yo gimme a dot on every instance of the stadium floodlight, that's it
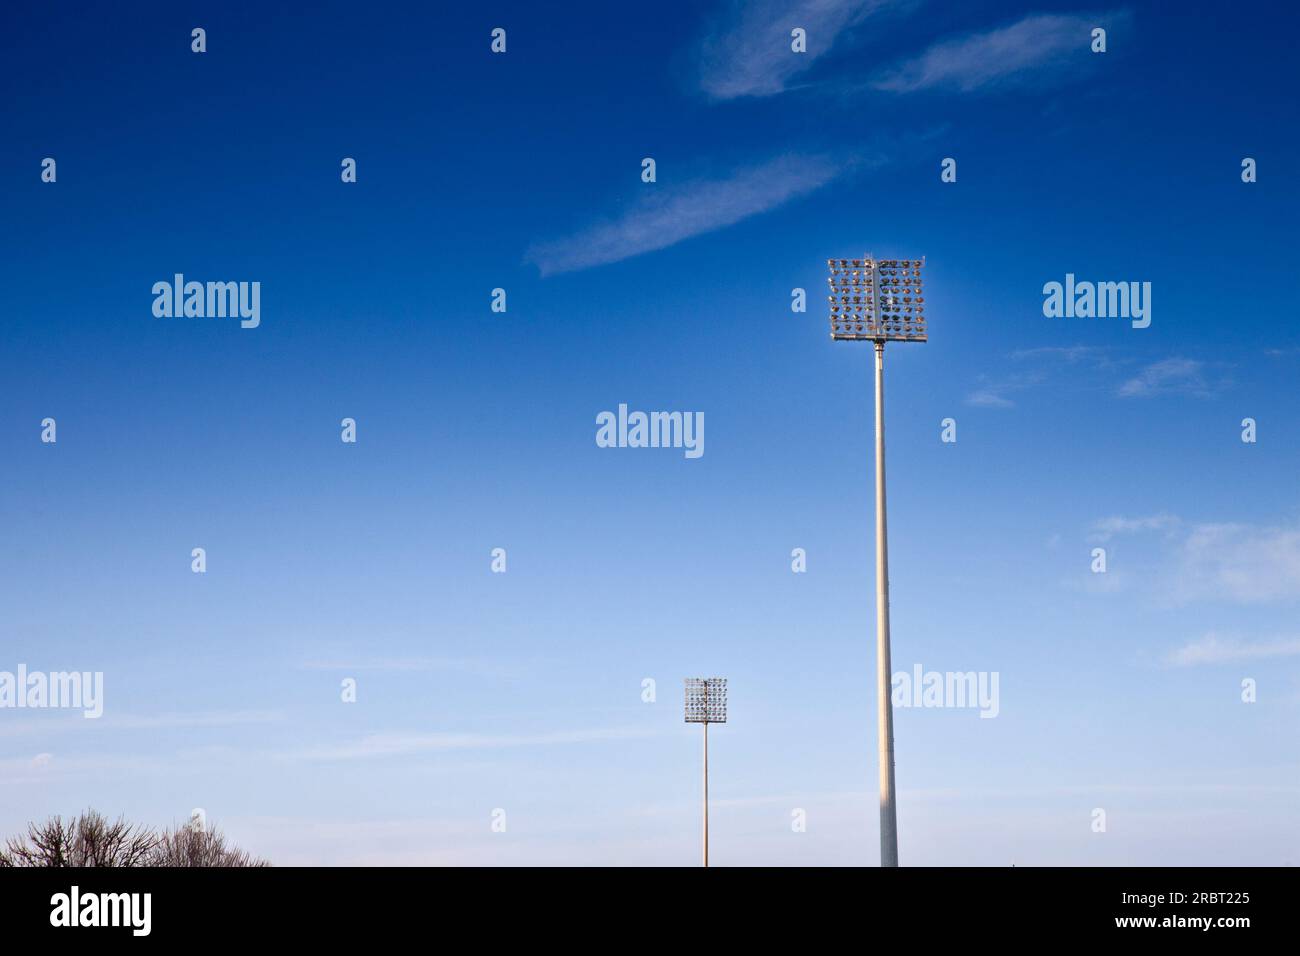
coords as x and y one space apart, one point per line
879 301
706 703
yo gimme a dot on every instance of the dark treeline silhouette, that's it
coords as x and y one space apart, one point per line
92 840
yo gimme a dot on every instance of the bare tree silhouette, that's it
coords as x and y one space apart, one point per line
91 840
188 845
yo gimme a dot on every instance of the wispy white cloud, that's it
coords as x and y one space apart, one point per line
350 665
1066 353
1107 528
1035 366
394 745
1238 563
669 214
1213 649
1243 563
748 53
1038 44
62 721
42 767
996 392
226 718
1109 372
990 397
1171 375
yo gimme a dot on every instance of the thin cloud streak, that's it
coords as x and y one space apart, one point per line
72 720
1236 563
751 55
993 393
1213 649
395 745
351 665
1176 375
1000 57
1107 528
990 397
1172 375
1042 363
672 214
1067 353
1241 563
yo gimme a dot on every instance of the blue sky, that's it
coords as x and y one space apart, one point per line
523 691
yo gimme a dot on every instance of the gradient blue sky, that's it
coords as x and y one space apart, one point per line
476 430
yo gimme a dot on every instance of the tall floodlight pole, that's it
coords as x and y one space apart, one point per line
706 703
879 301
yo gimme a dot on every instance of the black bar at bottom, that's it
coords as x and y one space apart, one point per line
463 907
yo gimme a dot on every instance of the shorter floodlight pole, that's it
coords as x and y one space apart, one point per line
706 703
706 793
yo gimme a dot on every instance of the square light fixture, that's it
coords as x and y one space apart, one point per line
706 700
877 300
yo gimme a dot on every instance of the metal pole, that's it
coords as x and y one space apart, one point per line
706 794
884 705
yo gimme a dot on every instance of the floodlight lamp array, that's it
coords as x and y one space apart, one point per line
706 700
877 300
